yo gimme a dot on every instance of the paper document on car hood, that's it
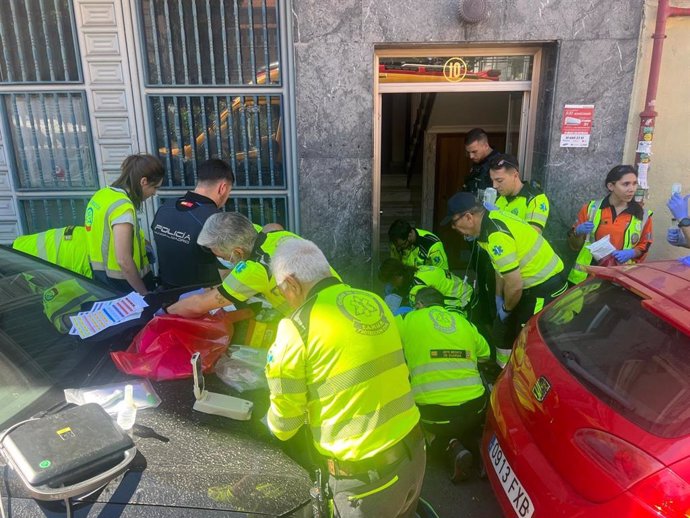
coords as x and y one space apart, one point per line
106 314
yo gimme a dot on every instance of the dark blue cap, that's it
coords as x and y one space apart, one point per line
457 204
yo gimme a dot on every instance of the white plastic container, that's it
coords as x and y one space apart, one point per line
490 195
127 414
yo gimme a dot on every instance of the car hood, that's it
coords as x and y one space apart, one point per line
209 463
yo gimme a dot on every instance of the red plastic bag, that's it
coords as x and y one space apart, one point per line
162 350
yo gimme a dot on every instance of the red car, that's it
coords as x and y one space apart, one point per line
591 418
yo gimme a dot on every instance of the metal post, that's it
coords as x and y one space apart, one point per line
645 135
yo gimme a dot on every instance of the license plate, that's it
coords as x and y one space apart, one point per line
515 491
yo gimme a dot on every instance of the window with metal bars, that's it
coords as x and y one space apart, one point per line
232 47
243 130
39 214
51 141
199 42
37 43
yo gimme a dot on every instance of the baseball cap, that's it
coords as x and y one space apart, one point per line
457 204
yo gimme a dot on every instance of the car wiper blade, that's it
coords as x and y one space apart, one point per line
572 362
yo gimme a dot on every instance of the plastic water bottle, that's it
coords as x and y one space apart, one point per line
128 410
490 195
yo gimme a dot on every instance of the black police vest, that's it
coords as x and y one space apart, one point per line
181 261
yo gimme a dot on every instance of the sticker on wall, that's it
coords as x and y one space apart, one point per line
644 146
642 173
576 125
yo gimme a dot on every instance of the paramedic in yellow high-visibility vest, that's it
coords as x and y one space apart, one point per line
247 252
416 247
337 368
530 272
515 196
64 247
117 248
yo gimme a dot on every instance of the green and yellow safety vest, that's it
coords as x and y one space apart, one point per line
66 247
455 291
104 207
584 258
511 244
62 300
442 349
337 366
530 205
253 276
427 250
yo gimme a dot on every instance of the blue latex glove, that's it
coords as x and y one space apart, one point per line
685 260
499 303
678 205
490 206
193 292
623 256
503 314
584 228
675 237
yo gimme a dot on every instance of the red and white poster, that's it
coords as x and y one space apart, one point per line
576 126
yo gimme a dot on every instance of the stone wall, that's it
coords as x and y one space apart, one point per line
591 56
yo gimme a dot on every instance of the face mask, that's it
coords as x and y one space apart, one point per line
226 264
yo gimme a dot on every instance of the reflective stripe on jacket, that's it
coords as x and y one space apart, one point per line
455 291
337 366
442 348
104 207
584 258
66 247
511 244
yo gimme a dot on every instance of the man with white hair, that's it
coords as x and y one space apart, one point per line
232 237
337 367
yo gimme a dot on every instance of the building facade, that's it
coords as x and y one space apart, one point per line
337 116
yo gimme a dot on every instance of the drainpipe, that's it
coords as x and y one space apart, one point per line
648 115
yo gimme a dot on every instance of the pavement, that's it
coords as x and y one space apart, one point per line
473 498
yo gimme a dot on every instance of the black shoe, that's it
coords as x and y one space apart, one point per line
461 459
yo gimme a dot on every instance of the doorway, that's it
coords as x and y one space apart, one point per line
422 154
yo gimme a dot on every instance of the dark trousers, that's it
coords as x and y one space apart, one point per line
482 314
463 422
531 302
120 285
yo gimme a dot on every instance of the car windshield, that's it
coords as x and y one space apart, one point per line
37 355
624 354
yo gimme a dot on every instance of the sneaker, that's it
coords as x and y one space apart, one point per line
461 461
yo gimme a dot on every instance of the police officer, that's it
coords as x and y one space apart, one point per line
415 247
337 367
442 350
408 280
529 269
176 226
66 247
232 237
480 154
515 196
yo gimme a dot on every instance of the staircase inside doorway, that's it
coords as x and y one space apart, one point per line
398 201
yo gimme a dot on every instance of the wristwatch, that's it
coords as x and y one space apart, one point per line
685 222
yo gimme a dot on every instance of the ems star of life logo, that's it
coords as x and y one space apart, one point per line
365 311
442 320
